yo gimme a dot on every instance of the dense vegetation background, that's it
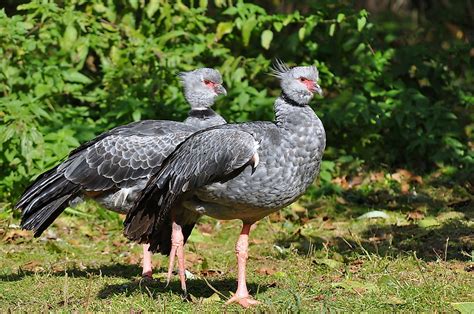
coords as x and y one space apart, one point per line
398 81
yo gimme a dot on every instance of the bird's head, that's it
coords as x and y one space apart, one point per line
201 87
299 83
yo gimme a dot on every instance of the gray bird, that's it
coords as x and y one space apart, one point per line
235 171
115 166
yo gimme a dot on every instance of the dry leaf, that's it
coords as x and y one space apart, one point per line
211 272
13 235
341 181
206 228
355 181
266 271
415 215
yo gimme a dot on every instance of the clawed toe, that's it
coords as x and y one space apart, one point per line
246 301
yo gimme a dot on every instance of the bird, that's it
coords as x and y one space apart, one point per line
235 171
113 167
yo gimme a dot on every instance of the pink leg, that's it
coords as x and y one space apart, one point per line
242 296
147 271
177 249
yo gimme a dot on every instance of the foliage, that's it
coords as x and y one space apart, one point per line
73 69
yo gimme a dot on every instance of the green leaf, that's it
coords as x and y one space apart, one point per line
247 28
361 21
136 115
152 7
76 77
340 17
133 3
278 26
301 33
223 28
219 3
69 37
464 307
203 4
266 39
328 262
332 29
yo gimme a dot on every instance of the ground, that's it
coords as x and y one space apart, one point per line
412 252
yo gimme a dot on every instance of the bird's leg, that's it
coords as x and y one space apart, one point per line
147 271
177 249
242 296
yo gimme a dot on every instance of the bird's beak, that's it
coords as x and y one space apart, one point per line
318 89
220 90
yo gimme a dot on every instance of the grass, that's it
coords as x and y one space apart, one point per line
314 256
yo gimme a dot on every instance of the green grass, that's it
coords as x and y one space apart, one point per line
315 256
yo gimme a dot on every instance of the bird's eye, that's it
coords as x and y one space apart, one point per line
209 83
303 79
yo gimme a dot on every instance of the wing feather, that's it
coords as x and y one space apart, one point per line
209 156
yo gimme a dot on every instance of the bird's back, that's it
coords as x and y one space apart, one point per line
290 157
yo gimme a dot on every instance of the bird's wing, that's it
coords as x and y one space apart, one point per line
124 155
212 155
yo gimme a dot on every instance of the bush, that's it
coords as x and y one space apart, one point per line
73 70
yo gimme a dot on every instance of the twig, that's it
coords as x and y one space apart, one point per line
359 243
345 241
446 249
419 268
214 289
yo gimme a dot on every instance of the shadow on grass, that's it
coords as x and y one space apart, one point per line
115 270
444 240
195 287
453 240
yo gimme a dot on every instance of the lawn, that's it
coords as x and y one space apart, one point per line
318 255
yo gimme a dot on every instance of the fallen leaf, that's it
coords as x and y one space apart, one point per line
341 181
404 187
33 266
319 297
469 268
328 262
415 215
206 228
211 272
464 307
276 217
394 300
298 209
355 181
358 286
341 200
266 271
377 176
16 234
213 298
374 214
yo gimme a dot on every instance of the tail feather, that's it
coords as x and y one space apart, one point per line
45 200
40 220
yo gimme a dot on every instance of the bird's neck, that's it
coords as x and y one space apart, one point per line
201 113
290 114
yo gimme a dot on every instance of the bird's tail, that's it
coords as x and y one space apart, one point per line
45 200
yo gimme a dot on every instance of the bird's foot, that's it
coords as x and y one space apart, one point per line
147 275
244 300
177 250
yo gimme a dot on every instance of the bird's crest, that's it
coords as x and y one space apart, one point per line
279 68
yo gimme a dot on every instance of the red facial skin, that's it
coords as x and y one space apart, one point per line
310 85
214 86
210 84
